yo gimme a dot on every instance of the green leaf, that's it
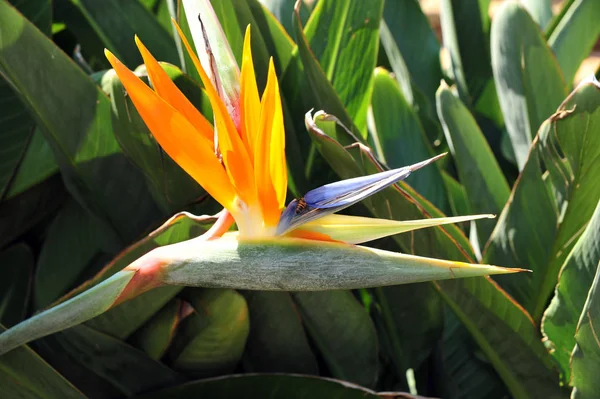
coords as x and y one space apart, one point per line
16 269
421 56
75 118
586 355
486 187
540 11
409 323
16 125
528 79
268 386
506 335
116 363
342 33
473 299
575 35
121 321
211 340
37 165
156 335
26 210
117 33
277 341
23 374
467 373
465 29
560 319
540 234
324 94
400 139
343 332
76 241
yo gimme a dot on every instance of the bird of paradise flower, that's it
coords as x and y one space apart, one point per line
241 163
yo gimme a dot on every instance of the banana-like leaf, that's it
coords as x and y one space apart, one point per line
277 341
75 118
16 269
156 335
465 29
399 138
211 340
272 385
474 300
575 35
560 319
336 321
77 243
540 11
342 33
586 356
540 234
528 79
82 353
422 56
286 264
479 172
24 374
409 319
17 127
117 33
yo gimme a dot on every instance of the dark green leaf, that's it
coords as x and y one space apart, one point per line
155 336
16 269
343 333
400 139
76 241
116 22
342 33
478 171
575 35
270 386
81 350
528 79
75 118
506 336
547 214
22 212
422 56
25 375
277 341
576 276
465 29
211 340
586 355
411 324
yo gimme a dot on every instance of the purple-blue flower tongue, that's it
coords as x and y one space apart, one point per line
334 197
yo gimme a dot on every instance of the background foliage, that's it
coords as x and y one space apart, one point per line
83 183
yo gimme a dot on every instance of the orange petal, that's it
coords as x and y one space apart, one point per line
235 156
165 88
269 156
250 110
178 137
310 235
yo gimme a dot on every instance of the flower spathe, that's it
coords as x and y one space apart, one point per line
251 181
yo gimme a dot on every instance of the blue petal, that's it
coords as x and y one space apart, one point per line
334 197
